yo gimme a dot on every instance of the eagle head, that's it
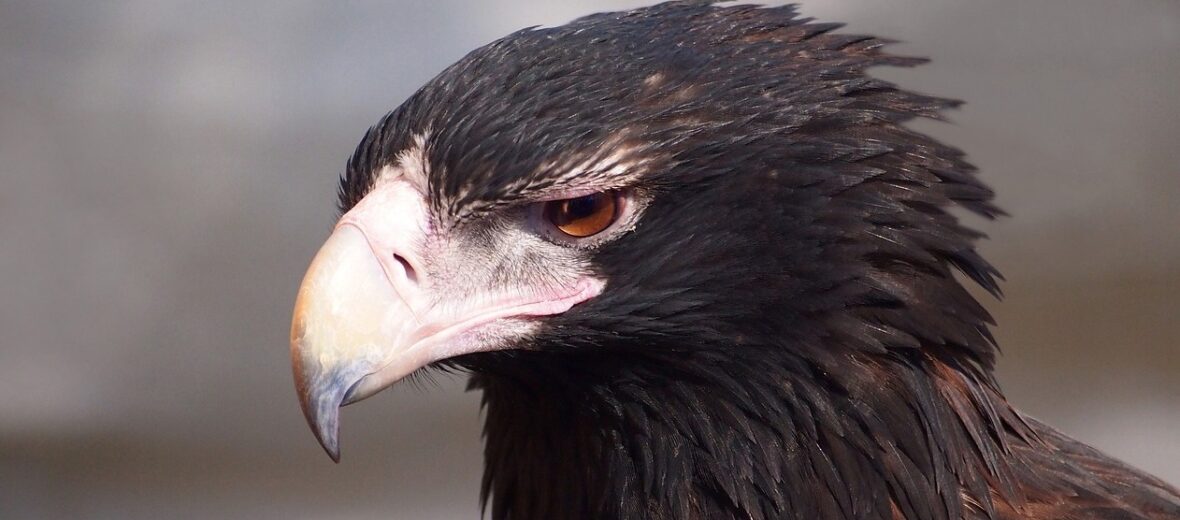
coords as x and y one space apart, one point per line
679 195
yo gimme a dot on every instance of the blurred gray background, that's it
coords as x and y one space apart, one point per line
169 168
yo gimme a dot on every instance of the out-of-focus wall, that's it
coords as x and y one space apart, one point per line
168 169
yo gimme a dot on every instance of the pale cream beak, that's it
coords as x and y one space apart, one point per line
355 326
347 316
368 314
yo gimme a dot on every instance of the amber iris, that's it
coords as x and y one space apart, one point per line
583 216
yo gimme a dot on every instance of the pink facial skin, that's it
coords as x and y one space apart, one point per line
368 313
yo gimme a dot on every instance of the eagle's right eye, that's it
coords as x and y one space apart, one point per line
584 216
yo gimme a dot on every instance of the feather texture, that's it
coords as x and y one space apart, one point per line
782 335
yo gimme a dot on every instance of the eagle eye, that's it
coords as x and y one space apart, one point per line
584 216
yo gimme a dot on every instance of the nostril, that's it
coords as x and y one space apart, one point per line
411 274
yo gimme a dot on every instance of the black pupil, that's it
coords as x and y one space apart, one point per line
582 207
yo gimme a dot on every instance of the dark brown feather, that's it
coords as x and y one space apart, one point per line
783 334
1065 479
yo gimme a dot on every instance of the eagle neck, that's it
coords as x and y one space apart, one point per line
726 438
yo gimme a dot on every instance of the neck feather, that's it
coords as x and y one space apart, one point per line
889 435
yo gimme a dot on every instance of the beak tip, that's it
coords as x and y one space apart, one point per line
333 452
323 416
327 432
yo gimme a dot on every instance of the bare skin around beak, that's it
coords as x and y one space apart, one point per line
368 313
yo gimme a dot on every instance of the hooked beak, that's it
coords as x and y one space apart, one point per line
368 314
346 314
